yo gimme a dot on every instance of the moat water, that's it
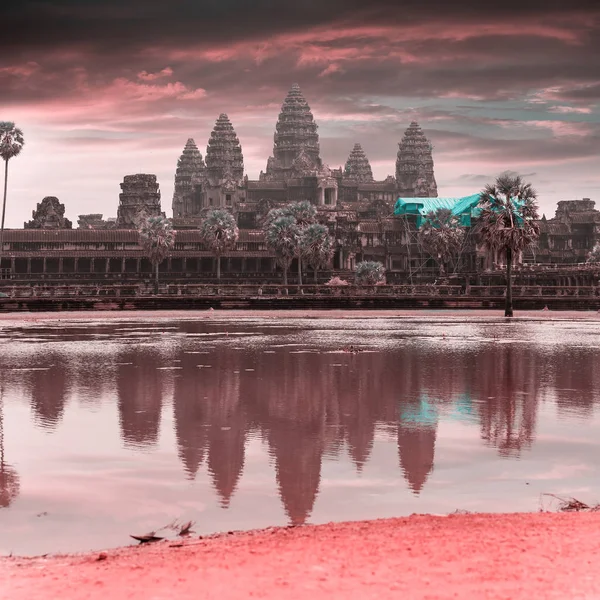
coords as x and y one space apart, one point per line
121 426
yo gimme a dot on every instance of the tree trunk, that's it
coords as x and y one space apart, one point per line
299 271
285 270
219 267
156 279
316 276
3 210
508 310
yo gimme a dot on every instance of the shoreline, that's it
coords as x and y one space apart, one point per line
525 315
519 555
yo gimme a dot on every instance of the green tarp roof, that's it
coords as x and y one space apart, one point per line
463 208
422 206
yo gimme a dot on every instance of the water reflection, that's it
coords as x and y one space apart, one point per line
296 392
9 478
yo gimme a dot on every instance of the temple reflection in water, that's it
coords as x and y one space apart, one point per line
305 405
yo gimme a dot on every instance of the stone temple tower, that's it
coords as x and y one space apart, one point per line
414 165
139 195
224 178
358 167
188 177
296 149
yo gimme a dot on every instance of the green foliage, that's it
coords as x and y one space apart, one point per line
157 237
508 214
594 254
219 231
11 140
369 273
284 228
507 222
303 212
316 246
441 236
11 144
282 235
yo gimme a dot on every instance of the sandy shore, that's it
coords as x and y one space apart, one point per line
463 556
545 315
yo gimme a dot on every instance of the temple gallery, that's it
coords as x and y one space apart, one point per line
368 219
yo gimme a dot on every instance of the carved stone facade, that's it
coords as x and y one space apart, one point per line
357 166
224 180
296 151
95 221
49 214
570 235
414 165
187 197
140 196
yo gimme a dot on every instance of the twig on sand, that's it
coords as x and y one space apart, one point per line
186 528
147 538
571 504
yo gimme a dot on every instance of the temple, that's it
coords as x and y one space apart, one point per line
50 214
140 196
369 219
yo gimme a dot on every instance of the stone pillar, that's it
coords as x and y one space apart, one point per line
138 267
29 266
122 265
184 264
335 196
12 265
107 265
321 196
244 264
44 267
60 265
76 266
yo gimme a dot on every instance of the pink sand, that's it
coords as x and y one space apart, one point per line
467 556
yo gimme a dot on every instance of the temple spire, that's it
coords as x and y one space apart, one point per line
357 166
224 159
414 165
190 170
296 147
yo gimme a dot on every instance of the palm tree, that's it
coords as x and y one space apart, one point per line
219 232
441 236
507 222
316 246
305 214
369 272
594 254
283 237
11 144
158 238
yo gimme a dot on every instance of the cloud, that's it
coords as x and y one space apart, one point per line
496 86
166 72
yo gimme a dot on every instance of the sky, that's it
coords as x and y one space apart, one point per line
106 88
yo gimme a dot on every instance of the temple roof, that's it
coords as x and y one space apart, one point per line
296 136
357 166
224 157
190 162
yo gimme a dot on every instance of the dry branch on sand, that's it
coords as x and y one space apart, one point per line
568 504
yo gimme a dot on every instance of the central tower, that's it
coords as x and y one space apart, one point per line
296 149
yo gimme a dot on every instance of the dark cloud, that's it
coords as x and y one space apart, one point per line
116 26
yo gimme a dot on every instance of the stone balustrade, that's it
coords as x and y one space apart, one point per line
273 290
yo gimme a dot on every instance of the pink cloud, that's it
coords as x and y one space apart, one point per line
330 70
25 71
562 128
145 76
311 45
570 110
